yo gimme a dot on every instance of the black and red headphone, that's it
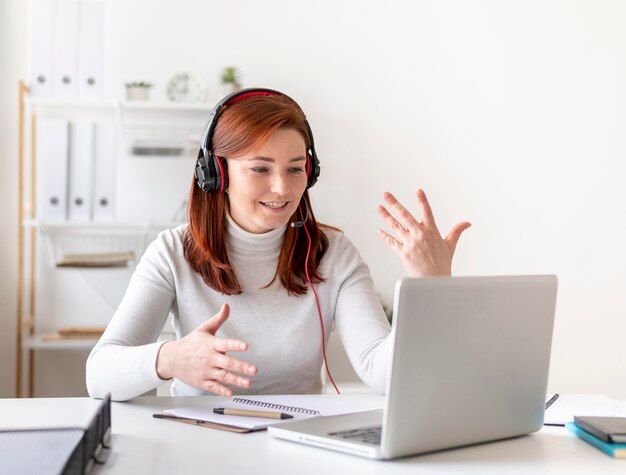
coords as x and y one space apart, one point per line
211 171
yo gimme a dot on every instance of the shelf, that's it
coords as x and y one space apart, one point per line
80 250
167 106
37 342
118 226
109 104
56 103
95 245
151 129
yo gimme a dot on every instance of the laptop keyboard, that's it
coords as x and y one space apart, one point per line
369 435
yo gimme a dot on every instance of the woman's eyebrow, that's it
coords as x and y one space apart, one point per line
271 160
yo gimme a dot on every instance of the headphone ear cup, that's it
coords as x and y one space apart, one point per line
211 174
202 172
221 169
312 169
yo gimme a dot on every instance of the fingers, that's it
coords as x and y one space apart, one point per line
220 375
407 220
427 212
216 388
232 364
390 241
224 345
453 237
215 322
226 377
393 223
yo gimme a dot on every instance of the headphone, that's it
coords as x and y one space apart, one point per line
211 171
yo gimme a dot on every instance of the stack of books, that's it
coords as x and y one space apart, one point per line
605 433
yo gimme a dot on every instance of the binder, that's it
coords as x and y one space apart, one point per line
80 171
65 83
104 171
71 437
41 22
52 157
608 429
91 50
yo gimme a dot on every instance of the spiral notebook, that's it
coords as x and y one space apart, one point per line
301 406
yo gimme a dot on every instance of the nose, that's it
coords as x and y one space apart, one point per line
280 184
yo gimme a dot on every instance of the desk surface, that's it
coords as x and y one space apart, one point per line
143 444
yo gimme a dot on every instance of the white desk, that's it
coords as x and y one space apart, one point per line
145 445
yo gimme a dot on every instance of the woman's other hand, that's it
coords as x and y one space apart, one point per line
419 245
200 359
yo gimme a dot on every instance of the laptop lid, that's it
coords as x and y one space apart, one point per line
470 364
470 361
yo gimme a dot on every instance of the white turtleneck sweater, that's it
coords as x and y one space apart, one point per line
282 331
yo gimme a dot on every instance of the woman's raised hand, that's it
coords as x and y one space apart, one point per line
419 245
199 358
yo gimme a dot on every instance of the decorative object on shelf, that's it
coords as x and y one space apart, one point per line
230 80
76 333
102 259
138 91
157 148
186 88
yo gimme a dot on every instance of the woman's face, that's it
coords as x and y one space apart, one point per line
265 186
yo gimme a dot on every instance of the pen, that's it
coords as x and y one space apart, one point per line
252 413
551 401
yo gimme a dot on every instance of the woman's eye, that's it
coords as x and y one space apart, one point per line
259 170
296 170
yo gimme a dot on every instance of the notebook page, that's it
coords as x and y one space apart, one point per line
300 406
569 405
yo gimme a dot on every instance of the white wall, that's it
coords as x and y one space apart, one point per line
508 114
12 67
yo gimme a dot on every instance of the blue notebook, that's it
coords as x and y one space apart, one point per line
615 450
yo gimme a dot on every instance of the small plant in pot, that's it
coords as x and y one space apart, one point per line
230 80
138 91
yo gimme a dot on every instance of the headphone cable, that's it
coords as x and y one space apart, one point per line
317 301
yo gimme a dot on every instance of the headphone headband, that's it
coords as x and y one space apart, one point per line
211 171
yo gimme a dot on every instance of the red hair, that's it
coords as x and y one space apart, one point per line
241 128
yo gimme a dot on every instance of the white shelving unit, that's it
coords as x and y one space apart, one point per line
122 243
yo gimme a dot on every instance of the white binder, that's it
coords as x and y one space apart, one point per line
52 157
91 50
41 24
105 152
80 171
65 82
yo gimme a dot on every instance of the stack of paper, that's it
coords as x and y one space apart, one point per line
300 406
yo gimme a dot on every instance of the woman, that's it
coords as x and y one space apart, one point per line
237 278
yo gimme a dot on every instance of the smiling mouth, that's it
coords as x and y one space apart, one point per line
274 204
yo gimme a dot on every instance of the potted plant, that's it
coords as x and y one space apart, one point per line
138 91
230 80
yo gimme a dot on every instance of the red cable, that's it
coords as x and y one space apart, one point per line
317 301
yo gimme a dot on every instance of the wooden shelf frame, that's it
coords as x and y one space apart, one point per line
30 228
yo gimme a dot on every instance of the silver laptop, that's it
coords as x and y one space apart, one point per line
470 365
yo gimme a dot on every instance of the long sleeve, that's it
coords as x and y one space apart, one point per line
360 319
124 360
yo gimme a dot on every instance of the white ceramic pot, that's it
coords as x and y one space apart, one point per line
134 93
